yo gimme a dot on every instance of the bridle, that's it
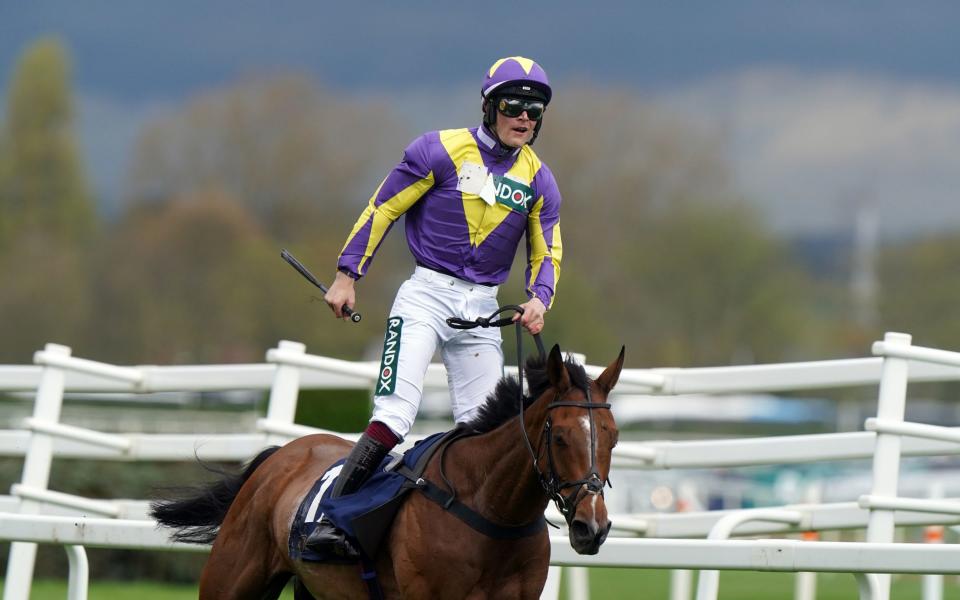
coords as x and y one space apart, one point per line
567 504
551 482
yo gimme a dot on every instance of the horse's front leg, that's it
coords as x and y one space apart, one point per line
533 577
517 569
431 557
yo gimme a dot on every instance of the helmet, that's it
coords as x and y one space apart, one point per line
522 75
516 76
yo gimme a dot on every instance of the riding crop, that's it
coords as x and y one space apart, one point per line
296 264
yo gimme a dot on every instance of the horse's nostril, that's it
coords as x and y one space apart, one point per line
580 530
586 539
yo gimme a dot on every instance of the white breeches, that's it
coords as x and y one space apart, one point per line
473 358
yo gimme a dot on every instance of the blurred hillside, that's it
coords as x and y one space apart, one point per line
663 250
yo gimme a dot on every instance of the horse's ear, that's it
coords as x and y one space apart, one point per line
611 374
557 371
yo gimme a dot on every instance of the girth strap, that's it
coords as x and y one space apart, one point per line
368 574
449 502
475 520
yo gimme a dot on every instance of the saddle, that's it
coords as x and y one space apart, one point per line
364 516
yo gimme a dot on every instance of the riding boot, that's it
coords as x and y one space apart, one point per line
360 464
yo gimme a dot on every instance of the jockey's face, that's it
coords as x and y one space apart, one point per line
515 131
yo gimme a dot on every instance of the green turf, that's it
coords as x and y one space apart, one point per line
746 585
57 590
605 584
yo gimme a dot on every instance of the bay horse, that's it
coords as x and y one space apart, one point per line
502 471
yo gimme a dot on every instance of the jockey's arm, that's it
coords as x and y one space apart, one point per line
400 190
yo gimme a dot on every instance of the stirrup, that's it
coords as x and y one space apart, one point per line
328 540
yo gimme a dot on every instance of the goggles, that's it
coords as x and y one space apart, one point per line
514 107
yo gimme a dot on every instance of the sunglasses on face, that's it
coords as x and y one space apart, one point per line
514 107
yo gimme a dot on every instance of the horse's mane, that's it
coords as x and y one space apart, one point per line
501 405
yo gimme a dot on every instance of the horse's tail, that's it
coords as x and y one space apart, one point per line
199 511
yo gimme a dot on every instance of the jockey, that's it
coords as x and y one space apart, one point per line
469 195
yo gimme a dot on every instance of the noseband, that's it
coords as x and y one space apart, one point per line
552 484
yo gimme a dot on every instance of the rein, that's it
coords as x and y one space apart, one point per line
550 482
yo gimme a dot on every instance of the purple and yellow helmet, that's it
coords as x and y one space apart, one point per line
518 76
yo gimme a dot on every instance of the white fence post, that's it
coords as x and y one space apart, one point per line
36 473
886 457
283 393
681 580
708 584
933 534
805 582
578 583
868 586
79 581
681 584
551 588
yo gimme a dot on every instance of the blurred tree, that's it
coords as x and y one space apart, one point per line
920 290
47 219
302 163
45 297
713 288
295 155
658 253
44 190
197 279
180 283
6 227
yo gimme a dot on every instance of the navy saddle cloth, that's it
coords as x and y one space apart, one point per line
364 516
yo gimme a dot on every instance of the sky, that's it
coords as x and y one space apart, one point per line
827 108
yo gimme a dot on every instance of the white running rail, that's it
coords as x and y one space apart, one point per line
34 514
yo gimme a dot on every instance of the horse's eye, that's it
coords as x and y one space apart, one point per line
559 441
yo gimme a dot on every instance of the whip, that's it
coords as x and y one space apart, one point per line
296 264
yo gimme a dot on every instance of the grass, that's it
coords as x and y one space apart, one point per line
114 590
121 590
748 585
606 584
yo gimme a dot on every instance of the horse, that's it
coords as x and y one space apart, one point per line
504 472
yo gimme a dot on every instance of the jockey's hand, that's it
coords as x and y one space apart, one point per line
340 293
532 317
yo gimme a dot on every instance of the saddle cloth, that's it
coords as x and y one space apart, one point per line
365 515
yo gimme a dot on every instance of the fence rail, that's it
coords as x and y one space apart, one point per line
289 369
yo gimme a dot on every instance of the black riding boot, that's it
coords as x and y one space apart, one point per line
360 464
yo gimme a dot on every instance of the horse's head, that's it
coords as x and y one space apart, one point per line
575 448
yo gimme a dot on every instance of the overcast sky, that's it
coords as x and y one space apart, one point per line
826 105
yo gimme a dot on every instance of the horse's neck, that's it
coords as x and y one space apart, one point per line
493 472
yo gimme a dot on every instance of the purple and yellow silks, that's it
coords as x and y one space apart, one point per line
450 228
